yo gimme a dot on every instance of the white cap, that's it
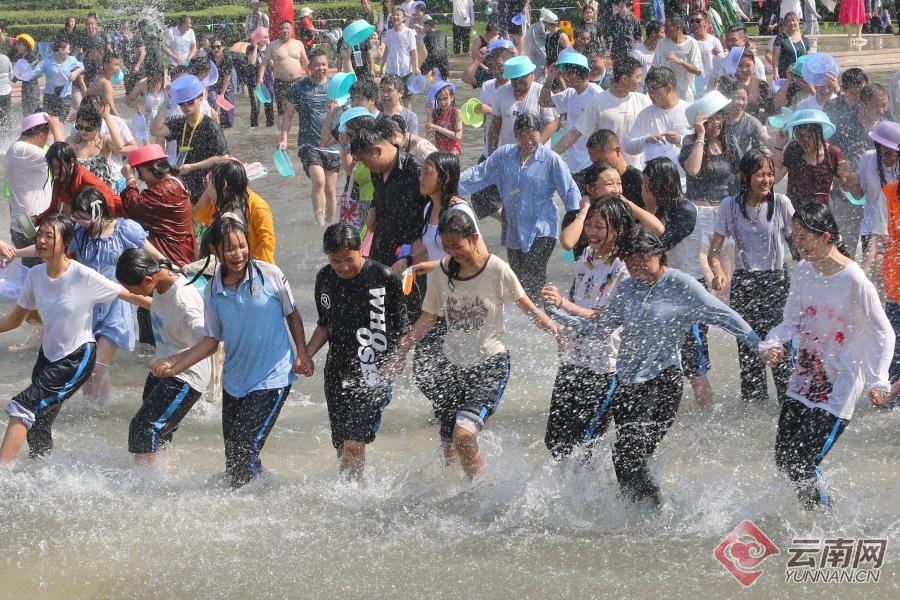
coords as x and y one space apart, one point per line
548 16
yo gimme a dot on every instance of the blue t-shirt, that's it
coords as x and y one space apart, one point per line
311 101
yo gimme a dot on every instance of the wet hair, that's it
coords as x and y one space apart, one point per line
614 212
89 200
109 57
730 87
526 122
315 52
392 123
64 227
880 149
229 180
624 67
59 44
199 65
730 153
447 167
96 101
64 154
595 49
136 263
370 135
789 14
664 182
817 219
677 20
365 88
854 77
638 240
872 91
88 114
593 172
658 77
339 237
159 168
215 235
818 136
455 222
652 27
603 138
754 160
394 82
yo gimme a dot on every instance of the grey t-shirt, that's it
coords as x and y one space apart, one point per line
759 241
715 181
745 134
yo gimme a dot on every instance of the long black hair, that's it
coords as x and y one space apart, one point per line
159 168
229 179
63 154
447 167
456 222
816 218
615 213
136 263
664 182
754 160
879 154
90 200
64 227
215 235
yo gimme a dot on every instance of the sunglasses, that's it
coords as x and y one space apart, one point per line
696 20
188 102
86 127
218 46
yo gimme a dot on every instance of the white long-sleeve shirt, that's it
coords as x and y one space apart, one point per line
844 341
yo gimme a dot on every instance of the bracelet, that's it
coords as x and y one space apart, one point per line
701 142
779 149
578 215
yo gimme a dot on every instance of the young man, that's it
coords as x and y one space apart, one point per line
182 44
391 90
710 48
644 51
287 57
681 54
520 96
361 317
320 163
435 42
623 30
400 56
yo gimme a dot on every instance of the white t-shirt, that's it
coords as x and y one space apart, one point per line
875 217
178 324
689 52
759 68
707 59
432 241
488 95
844 340
398 46
463 13
508 108
812 102
180 43
29 186
5 72
654 120
66 305
644 56
574 105
618 115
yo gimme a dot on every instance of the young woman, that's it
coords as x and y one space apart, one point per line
579 406
361 317
226 191
468 291
69 178
149 94
93 149
178 324
24 49
655 308
64 293
742 123
809 162
844 343
758 99
790 44
247 305
759 222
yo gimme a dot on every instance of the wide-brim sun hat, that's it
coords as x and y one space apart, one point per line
886 133
733 60
798 66
711 103
339 85
212 78
470 116
576 59
519 19
436 89
817 67
33 120
350 114
22 70
500 43
811 116
416 84
24 37
186 88
357 32
145 154
518 66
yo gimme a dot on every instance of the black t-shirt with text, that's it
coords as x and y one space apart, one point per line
206 141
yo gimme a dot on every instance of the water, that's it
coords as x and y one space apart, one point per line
87 523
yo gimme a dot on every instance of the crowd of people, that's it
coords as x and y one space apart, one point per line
662 145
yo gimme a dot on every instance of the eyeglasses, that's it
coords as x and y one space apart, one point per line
696 20
188 102
217 46
86 127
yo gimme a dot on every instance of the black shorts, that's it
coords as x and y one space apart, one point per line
281 90
309 156
52 383
166 402
354 410
473 393
440 62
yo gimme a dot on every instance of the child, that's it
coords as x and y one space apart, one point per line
361 317
247 304
64 293
469 291
445 119
177 317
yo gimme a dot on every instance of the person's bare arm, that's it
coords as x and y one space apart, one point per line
567 141
494 133
548 130
317 341
158 127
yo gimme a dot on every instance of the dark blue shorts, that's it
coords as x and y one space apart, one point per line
355 410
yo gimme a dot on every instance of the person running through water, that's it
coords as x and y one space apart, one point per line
178 324
361 317
64 293
469 290
247 304
844 343
654 309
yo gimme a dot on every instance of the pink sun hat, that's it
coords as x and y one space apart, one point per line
33 121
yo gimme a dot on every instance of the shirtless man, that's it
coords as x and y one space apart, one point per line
287 58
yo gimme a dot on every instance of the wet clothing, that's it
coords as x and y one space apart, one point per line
260 224
790 51
81 178
810 183
164 210
165 403
196 144
447 120
246 423
398 209
579 408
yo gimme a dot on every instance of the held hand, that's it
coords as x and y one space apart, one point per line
7 252
673 137
303 365
393 366
551 295
399 266
718 281
843 171
162 367
880 398
424 268
773 356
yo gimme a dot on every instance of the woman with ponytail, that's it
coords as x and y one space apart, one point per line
759 222
178 324
844 343
469 290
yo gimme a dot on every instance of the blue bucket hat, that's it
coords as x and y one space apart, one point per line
350 114
570 57
518 66
437 87
811 116
185 89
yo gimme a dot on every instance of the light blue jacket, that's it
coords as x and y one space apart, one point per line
527 191
49 68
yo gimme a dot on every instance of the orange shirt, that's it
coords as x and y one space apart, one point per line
892 253
260 226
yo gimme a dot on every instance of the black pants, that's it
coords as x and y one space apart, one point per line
461 38
56 105
440 62
5 108
643 413
254 111
145 327
805 435
531 267
165 403
246 423
579 408
429 365
759 297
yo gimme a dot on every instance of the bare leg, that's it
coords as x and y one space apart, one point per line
449 453
703 394
13 440
317 177
352 459
466 444
98 388
330 196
